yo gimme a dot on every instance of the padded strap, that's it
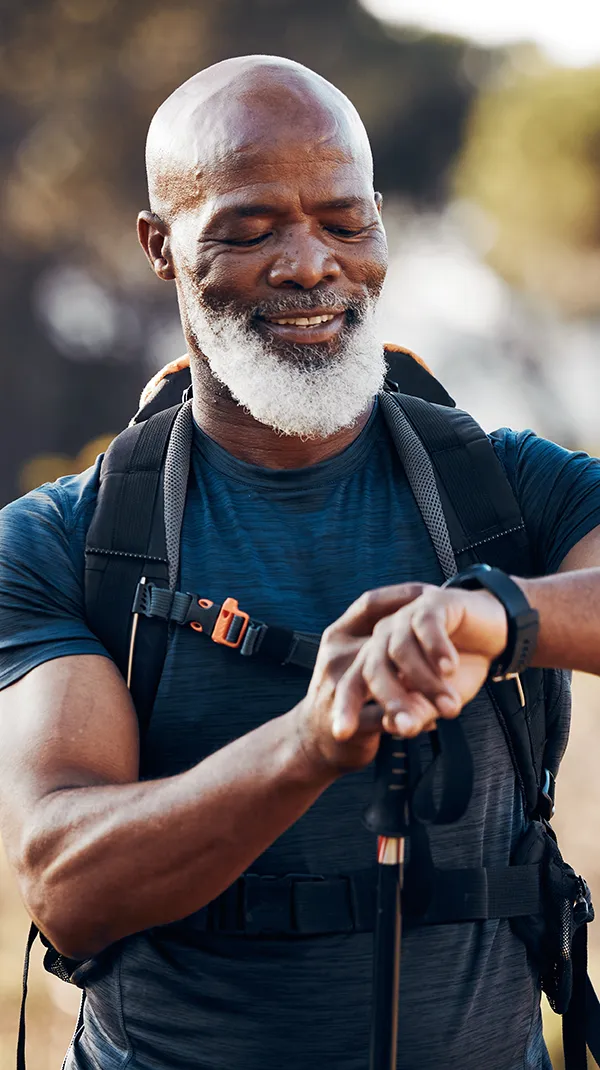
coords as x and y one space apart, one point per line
125 541
483 516
421 476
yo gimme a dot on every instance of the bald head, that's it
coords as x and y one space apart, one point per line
236 111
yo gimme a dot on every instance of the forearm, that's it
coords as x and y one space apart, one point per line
569 607
103 862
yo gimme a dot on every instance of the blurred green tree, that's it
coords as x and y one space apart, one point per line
532 162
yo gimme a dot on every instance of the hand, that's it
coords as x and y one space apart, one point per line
426 660
342 731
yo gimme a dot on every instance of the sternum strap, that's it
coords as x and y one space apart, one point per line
227 625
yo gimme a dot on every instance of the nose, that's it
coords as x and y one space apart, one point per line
303 264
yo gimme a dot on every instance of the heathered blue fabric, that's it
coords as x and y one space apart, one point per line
296 547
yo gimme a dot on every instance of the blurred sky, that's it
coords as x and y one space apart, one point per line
568 32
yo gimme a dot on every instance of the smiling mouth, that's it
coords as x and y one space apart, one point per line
304 325
304 321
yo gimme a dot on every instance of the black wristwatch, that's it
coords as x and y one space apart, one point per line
523 621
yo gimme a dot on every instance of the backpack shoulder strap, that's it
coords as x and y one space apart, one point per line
126 541
472 515
483 516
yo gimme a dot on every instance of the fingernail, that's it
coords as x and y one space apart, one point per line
403 722
446 666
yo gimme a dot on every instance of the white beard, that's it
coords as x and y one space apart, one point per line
309 396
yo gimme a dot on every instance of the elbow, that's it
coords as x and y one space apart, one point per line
60 919
59 905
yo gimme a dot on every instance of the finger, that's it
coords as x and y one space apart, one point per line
351 694
430 627
384 687
362 616
406 655
418 715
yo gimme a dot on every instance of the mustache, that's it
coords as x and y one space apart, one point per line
306 301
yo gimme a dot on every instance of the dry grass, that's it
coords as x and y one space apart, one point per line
53 1005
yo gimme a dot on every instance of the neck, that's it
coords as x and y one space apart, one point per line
220 417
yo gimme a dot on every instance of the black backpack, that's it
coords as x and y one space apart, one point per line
131 572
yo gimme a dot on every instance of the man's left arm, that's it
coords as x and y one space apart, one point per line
569 607
559 494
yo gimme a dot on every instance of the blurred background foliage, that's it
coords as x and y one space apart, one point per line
531 160
489 160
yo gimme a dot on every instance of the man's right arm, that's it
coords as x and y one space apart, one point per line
98 854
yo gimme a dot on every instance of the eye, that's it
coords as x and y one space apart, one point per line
343 232
246 243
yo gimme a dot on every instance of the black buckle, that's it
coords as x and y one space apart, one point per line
141 600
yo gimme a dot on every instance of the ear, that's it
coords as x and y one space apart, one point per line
378 201
154 240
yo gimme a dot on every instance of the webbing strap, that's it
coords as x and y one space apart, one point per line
592 1020
278 644
453 763
581 1021
33 931
295 904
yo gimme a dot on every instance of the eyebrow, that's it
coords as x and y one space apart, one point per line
250 211
344 202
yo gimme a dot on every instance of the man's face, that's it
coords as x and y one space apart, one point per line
279 267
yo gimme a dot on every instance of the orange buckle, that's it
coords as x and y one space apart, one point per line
229 610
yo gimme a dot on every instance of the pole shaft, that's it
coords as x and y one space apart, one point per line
386 965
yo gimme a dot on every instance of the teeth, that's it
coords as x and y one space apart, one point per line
306 321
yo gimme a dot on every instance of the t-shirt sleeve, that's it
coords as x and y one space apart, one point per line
558 491
42 540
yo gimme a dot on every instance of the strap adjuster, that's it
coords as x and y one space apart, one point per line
230 626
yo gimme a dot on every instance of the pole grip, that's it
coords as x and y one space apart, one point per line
387 813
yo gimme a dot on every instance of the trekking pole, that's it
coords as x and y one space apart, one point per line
387 816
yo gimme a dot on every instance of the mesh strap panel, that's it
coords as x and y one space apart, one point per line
177 468
420 474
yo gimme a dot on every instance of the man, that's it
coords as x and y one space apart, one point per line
264 215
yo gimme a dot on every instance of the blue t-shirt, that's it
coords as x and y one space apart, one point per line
296 547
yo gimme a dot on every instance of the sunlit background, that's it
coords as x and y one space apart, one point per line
485 123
